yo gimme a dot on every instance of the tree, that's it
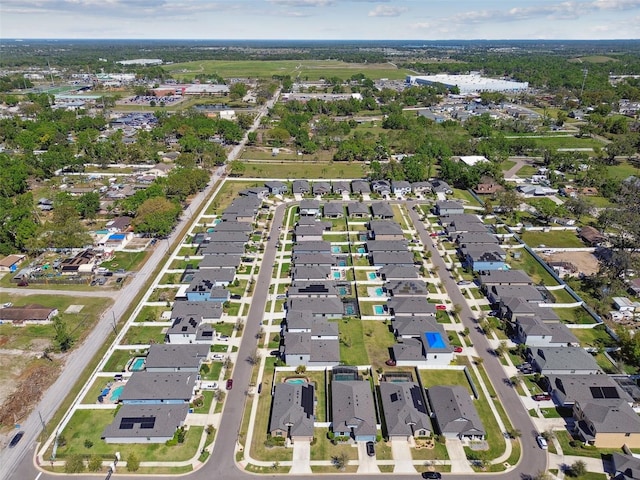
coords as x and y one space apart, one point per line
340 461
578 206
88 205
62 338
95 463
508 201
237 168
238 90
577 468
501 348
74 464
133 463
156 216
65 229
254 357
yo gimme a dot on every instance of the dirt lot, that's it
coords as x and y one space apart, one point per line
586 262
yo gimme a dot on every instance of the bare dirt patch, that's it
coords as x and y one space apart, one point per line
586 262
74 309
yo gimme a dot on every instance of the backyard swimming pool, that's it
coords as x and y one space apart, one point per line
336 249
434 340
137 364
337 275
372 276
378 309
349 310
362 250
115 395
379 292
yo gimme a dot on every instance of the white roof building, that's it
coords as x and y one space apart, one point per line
472 160
472 83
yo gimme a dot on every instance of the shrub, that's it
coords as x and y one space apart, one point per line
88 443
133 462
74 464
95 463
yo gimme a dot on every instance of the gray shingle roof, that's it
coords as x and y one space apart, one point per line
292 409
352 407
404 407
163 420
166 355
410 306
454 411
550 359
159 386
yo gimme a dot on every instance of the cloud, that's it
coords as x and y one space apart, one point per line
302 3
569 10
387 11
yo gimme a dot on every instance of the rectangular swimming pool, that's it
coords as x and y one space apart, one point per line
435 340
378 309
372 276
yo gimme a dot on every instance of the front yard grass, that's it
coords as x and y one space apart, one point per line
151 314
125 260
324 449
431 378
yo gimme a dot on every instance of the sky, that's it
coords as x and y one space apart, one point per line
321 19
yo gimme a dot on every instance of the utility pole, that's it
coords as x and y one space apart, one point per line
584 79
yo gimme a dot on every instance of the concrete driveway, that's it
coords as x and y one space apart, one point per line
366 464
459 462
401 452
301 457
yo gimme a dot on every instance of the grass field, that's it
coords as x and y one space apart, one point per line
304 170
306 69
378 341
227 194
530 265
352 349
143 335
567 142
553 239
622 170
125 260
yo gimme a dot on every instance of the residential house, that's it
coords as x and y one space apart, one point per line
314 259
481 259
303 321
413 327
448 207
258 192
400 187
387 246
398 272
307 349
606 423
10 263
440 186
119 224
358 210
462 219
207 312
160 169
421 188
307 233
205 281
497 294
592 236
190 330
562 360
532 331
83 263
312 247
300 187
292 411
405 410
504 277
309 208
321 188
625 466
159 388
227 237
333 210
381 187
360 186
487 188
145 423
470 239
166 357
311 272
381 210
221 248
454 413
566 390
219 261
341 186
353 411
385 230
411 306
277 188
321 307
465 226
380 259
305 289
32 313
430 348
232 226
511 308
404 288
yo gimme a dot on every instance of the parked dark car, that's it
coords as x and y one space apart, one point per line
230 384
391 362
541 397
434 475
371 449
16 438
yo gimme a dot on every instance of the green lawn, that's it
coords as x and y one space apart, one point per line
583 450
228 192
143 335
622 171
301 169
211 371
567 142
553 239
593 337
352 348
324 449
118 360
126 260
466 196
576 315
530 265
378 340
151 314
89 424
431 378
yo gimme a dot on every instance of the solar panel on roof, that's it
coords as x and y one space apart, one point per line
604 392
127 423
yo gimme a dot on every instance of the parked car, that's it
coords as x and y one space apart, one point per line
230 384
23 283
434 234
391 362
541 397
464 282
441 307
16 438
218 356
457 349
542 442
371 449
431 475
